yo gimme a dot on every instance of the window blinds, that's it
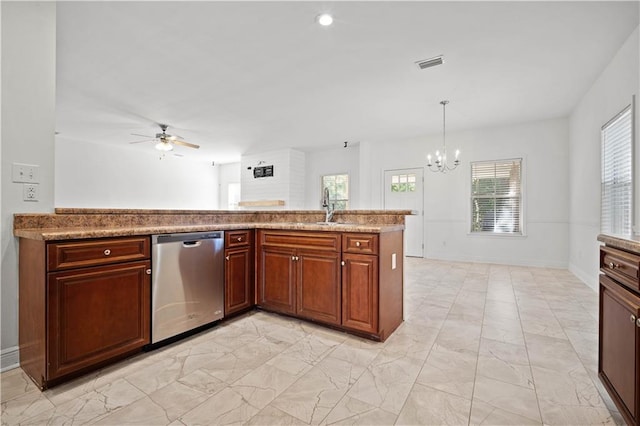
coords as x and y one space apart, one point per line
617 175
496 196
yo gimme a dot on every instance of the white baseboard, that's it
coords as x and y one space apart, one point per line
9 359
584 277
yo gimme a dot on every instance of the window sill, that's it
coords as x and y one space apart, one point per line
496 234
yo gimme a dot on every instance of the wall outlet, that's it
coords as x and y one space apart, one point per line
30 192
25 173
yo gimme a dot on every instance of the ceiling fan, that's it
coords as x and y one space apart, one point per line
165 140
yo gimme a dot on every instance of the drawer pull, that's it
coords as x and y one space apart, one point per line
107 252
632 318
239 239
613 265
342 263
638 322
226 257
148 271
357 243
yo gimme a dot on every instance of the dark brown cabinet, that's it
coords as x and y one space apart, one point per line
619 343
238 272
82 304
299 274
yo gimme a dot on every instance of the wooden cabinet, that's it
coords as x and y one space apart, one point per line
299 274
352 281
239 278
76 316
372 277
619 343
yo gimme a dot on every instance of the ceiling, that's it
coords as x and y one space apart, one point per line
247 77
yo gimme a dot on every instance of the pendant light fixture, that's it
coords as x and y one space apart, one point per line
440 164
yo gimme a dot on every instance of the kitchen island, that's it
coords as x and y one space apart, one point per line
85 277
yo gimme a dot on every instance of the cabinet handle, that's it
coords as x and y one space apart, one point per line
239 239
226 257
357 243
613 265
297 258
638 322
148 271
293 258
342 263
632 318
107 252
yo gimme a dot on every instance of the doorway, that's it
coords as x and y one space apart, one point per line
404 190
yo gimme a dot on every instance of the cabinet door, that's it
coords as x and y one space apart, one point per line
238 279
276 280
95 314
318 285
360 292
619 344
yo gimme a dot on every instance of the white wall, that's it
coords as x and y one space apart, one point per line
228 173
543 145
287 182
28 126
104 176
328 162
611 92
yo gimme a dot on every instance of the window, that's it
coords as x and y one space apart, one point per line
496 196
338 190
403 183
617 174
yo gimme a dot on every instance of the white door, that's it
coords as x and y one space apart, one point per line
403 190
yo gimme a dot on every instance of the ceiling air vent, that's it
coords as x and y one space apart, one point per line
431 62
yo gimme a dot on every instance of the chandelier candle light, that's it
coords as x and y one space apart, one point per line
441 164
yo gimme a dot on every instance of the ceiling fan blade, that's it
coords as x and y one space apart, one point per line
187 144
145 140
144 136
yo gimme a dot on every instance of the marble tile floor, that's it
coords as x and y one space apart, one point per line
481 344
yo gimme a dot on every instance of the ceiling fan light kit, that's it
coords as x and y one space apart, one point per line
165 140
164 146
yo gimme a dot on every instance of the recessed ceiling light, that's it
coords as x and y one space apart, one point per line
324 19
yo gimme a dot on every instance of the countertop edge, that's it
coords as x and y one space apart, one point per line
630 242
55 234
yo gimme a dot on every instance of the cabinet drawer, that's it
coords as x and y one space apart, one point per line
240 238
360 243
313 240
621 266
79 254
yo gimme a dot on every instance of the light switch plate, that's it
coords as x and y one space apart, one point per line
25 173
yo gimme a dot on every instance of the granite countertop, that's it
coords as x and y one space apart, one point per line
624 242
71 233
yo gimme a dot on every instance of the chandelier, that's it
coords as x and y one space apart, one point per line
440 164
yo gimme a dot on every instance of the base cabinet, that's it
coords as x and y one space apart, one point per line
299 274
619 329
351 281
82 304
238 272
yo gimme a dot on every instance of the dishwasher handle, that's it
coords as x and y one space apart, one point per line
191 244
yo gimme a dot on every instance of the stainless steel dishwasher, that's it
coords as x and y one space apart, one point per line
187 282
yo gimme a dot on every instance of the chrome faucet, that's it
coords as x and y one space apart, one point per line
326 204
